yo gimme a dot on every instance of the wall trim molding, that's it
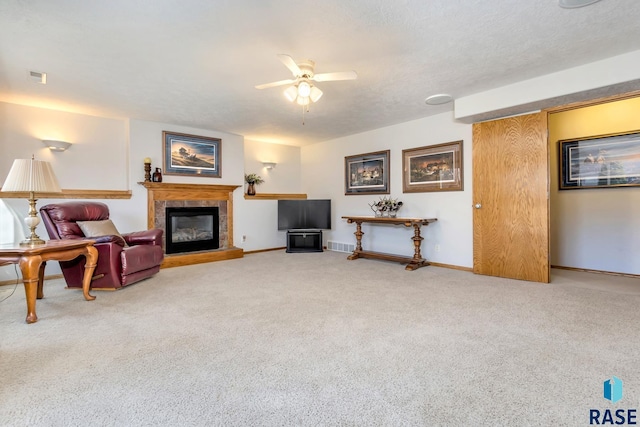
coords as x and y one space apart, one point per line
587 270
69 194
451 266
265 250
592 102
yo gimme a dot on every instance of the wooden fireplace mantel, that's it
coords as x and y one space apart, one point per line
167 192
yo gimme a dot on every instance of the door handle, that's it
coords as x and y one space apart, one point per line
477 206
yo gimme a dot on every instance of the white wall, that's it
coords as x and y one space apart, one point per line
281 179
96 141
259 218
323 177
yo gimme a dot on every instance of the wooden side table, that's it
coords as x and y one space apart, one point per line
414 262
32 261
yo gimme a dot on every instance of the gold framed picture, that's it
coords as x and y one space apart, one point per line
432 168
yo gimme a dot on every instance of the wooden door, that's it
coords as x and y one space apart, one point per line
511 198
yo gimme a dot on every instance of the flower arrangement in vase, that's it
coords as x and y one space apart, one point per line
252 180
386 206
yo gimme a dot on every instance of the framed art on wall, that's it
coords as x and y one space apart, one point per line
191 155
367 173
600 162
432 168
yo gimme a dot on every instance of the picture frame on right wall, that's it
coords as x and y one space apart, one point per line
600 162
433 168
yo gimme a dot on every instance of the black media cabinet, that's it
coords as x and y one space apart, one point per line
303 240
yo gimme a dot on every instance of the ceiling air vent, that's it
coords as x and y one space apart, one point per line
38 77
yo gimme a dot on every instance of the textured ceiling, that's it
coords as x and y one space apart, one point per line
196 62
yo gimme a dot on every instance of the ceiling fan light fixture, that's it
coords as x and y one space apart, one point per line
291 93
304 89
300 88
315 94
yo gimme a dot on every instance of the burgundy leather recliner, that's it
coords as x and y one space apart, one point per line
118 264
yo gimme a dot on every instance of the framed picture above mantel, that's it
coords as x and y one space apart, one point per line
600 161
191 155
432 168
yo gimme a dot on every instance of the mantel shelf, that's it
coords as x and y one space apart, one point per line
190 187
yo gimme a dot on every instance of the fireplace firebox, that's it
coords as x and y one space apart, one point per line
191 229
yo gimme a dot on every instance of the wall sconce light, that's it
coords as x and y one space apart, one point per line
56 145
269 165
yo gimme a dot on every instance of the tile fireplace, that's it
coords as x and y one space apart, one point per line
164 196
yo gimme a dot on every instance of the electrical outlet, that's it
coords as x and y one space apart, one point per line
437 248
244 238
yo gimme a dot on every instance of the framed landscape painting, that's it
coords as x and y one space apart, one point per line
191 155
600 162
432 168
367 173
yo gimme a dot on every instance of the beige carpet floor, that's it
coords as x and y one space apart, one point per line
312 339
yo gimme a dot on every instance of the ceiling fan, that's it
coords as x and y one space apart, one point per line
302 89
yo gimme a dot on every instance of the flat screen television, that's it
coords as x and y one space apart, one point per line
306 214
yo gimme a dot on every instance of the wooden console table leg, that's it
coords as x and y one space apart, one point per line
417 260
359 234
417 241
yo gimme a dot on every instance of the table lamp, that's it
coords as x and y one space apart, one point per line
33 176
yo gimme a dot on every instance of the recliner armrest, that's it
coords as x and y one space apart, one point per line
119 240
146 237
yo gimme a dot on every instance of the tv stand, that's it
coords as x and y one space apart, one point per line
304 240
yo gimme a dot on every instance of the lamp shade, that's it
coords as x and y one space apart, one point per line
31 175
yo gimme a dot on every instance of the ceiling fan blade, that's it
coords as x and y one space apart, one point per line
342 75
290 64
274 84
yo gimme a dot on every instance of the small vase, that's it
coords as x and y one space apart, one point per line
378 214
157 175
251 189
392 214
385 214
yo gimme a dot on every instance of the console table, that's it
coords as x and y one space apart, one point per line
414 262
32 260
